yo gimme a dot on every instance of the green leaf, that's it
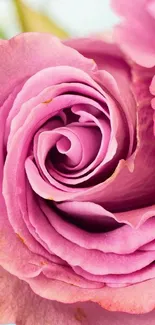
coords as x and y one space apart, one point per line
32 21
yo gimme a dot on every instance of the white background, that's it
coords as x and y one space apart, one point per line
78 17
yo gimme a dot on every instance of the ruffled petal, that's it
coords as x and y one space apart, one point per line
20 305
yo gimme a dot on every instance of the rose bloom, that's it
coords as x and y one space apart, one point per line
77 155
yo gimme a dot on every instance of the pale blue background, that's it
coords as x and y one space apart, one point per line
95 15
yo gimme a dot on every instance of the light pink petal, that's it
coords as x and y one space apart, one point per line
121 280
138 298
151 8
135 35
32 52
20 304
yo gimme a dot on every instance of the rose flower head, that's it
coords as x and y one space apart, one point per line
77 155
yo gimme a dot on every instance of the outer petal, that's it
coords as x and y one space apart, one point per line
26 54
135 34
18 304
107 55
129 299
136 299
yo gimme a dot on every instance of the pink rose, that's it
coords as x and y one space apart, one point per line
77 174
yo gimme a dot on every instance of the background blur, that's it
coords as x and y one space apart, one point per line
61 17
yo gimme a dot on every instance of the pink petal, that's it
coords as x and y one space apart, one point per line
111 63
32 52
134 299
135 35
20 304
